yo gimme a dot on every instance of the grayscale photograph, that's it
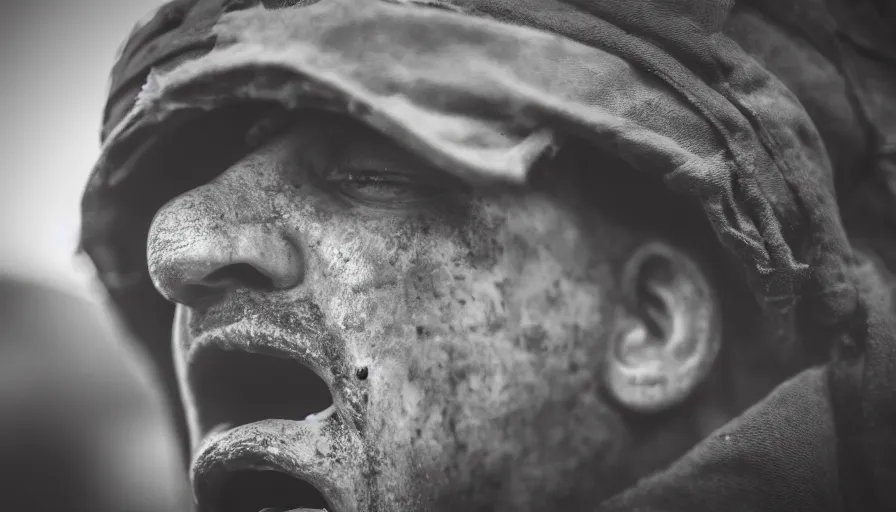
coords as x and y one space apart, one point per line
448 256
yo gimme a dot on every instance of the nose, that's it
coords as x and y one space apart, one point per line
198 249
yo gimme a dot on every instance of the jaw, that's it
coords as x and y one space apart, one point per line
444 420
266 446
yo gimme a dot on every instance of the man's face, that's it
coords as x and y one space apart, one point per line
459 332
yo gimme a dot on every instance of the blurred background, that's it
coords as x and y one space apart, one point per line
81 425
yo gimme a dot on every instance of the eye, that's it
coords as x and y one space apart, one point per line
389 189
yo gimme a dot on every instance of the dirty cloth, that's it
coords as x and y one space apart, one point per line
484 88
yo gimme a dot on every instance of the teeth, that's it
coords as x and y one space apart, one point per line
326 413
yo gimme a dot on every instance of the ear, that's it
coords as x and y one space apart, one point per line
667 335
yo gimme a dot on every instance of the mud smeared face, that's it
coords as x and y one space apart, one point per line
390 338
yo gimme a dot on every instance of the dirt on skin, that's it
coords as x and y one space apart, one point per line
480 320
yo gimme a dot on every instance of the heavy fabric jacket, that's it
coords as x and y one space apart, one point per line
778 118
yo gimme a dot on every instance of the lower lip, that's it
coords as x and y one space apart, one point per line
317 451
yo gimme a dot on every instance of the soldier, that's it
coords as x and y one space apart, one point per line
482 255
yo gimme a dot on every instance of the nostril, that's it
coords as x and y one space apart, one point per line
211 288
238 274
197 295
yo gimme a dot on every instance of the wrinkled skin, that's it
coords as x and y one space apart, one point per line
480 318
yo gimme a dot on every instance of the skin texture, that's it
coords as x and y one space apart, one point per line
463 334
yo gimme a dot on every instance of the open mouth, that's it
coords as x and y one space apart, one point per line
257 413
235 387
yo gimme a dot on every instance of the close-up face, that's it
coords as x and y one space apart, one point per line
355 318
462 255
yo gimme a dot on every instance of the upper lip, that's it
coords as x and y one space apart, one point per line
251 336
321 453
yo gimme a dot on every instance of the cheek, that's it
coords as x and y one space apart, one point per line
506 279
514 273
505 369
519 273
494 325
481 329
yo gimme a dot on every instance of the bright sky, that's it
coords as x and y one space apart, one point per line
56 56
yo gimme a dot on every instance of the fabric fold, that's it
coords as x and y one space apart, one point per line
482 98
